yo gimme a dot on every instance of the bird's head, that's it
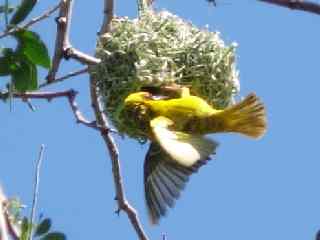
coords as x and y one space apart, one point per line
137 98
137 113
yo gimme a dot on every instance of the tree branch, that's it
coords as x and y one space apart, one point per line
70 95
63 22
69 75
302 5
97 106
45 15
123 203
71 52
63 48
108 16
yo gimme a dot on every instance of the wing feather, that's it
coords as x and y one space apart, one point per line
169 163
185 149
164 180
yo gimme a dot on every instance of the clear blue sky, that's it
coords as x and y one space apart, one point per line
266 189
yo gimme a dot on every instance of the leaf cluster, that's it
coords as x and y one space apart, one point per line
20 63
41 230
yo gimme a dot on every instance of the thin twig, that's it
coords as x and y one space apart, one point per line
70 95
108 16
69 75
4 233
83 58
43 16
36 190
39 95
302 5
81 119
29 104
123 203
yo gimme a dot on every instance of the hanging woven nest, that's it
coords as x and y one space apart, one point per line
160 49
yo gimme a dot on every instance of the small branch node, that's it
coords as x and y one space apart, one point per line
117 211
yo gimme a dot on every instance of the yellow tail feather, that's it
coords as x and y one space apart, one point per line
247 117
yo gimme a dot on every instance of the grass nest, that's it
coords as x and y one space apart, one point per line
160 49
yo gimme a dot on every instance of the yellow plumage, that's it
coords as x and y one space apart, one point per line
192 114
176 128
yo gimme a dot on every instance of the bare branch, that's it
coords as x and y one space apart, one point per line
69 75
39 95
36 191
108 16
123 203
43 16
70 95
81 119
81 57
302 5
63 48
62 40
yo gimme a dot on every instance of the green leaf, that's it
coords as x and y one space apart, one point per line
24 77
43 227
54 236
23 11
24 229
31 45
6 62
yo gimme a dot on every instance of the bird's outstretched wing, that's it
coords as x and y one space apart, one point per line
168 166
183 148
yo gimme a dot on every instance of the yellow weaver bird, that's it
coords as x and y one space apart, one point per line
176 129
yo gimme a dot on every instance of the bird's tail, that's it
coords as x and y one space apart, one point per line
247 117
